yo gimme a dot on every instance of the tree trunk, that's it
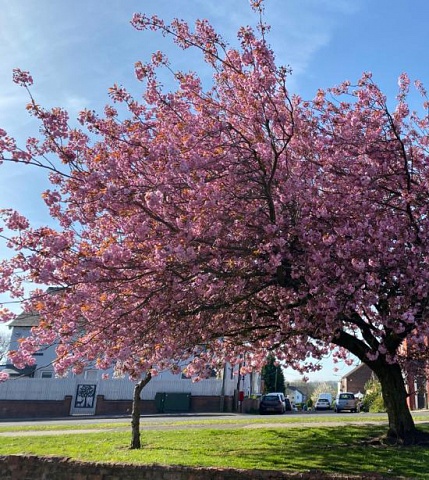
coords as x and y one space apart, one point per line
402 429
135 414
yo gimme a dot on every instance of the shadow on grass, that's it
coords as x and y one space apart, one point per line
348 450
340 450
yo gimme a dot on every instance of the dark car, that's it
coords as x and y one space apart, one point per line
274 403
288 404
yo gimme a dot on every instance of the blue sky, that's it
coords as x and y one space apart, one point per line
77 50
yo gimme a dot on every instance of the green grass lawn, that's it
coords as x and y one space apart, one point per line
328 448
234 420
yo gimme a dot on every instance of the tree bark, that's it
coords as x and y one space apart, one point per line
402 429
135 414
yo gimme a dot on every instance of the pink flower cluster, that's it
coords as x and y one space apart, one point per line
23 78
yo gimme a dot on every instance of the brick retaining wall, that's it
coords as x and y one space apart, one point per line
61 408
122 407
29 467
198 404
35 408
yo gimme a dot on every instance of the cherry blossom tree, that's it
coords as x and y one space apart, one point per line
229 221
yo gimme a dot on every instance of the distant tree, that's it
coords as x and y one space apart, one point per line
308 387
272 376
373 400
325 387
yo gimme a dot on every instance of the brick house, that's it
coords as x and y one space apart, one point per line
356 379
416 379
416 382
418 391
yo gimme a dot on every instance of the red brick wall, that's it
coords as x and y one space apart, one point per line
61 408
199 404
122 407
202 404
355 381
35 408
28 467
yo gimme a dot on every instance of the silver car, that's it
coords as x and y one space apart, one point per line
346 401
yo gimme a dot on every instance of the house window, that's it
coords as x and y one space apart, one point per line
47 374
91 375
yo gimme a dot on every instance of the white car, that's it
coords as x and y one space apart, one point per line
346 401
322 404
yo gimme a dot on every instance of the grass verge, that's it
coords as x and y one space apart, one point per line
195 421
329 448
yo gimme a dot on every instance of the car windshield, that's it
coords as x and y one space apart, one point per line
347 396
270 398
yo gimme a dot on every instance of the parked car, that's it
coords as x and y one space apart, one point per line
327 396
280 394
322 404
274 403
346 401
288 404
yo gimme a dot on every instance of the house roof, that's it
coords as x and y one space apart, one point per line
25 319
359 367
12 371
31 319
295 389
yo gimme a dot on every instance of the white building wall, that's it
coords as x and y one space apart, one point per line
114 389
42 389
39 388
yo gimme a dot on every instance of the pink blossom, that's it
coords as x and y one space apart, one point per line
23 78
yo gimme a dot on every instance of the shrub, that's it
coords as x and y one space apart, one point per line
373 401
